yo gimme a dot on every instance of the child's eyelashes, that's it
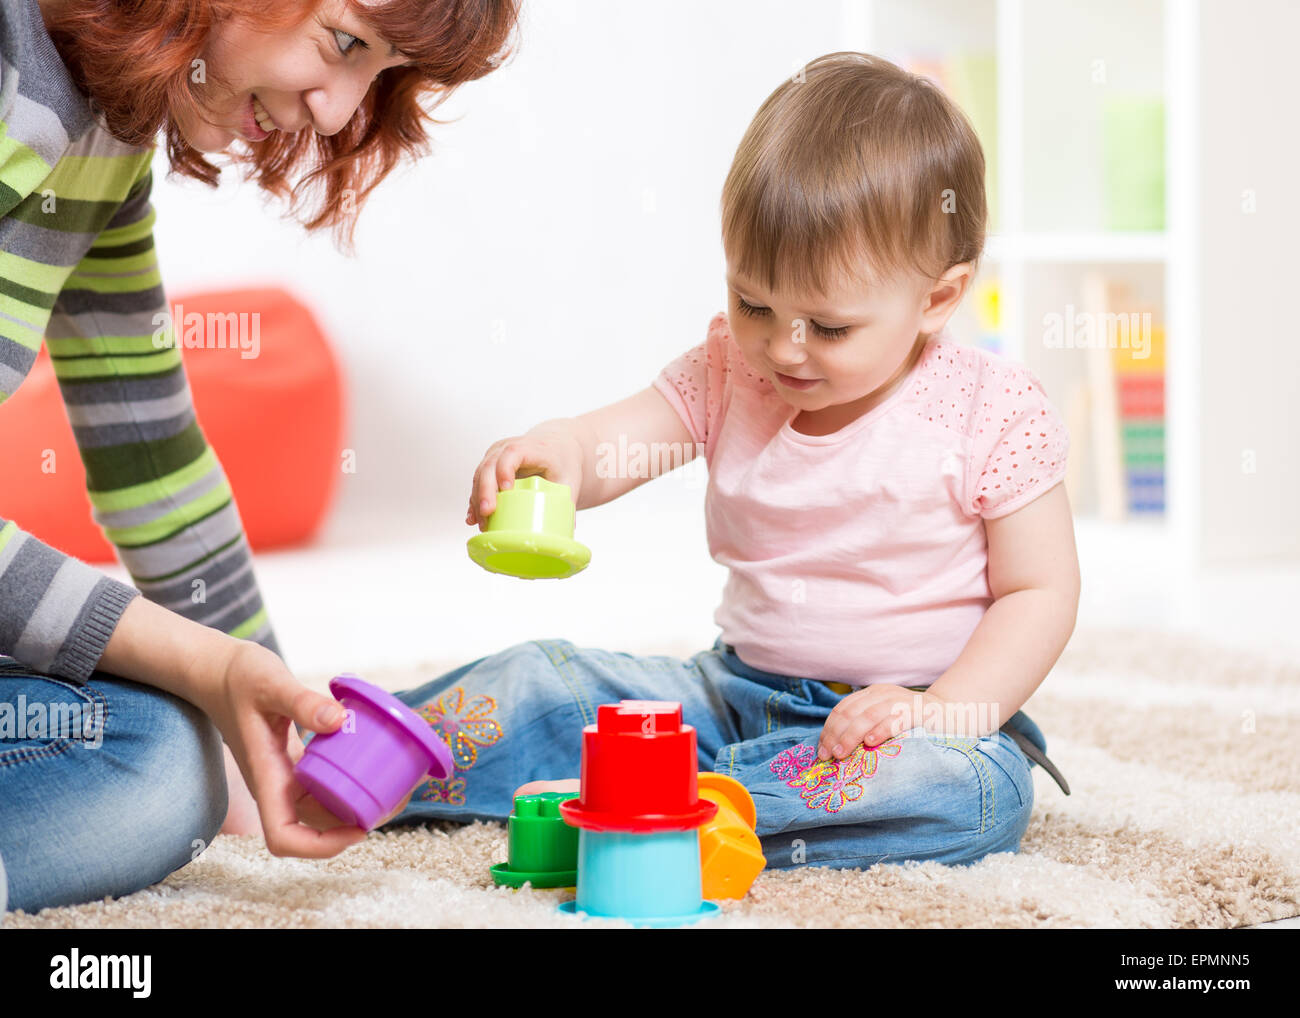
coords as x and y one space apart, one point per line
755 311
826 333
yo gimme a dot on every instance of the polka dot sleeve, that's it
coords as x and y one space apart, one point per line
693 383
1019 442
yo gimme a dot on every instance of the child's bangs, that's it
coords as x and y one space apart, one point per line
792 237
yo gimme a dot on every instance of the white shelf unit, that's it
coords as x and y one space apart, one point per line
1046 174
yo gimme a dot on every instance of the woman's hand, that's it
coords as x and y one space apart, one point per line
552 450
311 812
252 698
875 714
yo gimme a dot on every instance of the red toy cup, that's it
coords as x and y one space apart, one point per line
639 771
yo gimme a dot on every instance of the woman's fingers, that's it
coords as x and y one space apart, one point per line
285 833
398 808
314 815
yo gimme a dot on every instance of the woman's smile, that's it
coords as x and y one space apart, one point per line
257 123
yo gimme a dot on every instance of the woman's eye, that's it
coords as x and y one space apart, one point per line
339 34
826 333
753 310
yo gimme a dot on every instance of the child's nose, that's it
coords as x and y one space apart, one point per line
785 346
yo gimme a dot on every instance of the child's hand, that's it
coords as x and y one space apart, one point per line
875 714
552 451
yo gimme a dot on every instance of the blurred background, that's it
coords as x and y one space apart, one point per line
562 244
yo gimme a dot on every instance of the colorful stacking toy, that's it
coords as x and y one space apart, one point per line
362 771
543 848
638 814
731 855
531 533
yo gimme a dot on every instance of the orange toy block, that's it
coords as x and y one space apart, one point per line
730 853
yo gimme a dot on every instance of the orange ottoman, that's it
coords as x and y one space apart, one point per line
275 421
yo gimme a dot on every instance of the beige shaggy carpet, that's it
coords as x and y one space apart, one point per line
1182 760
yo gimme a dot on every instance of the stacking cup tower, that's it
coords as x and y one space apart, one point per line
638 816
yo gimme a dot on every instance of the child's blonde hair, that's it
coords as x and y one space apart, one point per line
857 165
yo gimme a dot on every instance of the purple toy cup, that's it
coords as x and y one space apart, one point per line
382 750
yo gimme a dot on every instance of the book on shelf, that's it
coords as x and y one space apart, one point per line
1125 396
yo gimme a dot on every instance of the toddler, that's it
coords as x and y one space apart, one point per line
889 505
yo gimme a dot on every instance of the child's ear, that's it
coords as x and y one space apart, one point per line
941 298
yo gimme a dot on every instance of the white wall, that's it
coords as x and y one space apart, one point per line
1250 344
572 213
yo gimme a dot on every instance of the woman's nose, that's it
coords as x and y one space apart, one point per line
335 104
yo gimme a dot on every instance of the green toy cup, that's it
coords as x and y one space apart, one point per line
531 533
543 849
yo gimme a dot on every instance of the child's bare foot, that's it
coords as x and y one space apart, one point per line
241 815
537 787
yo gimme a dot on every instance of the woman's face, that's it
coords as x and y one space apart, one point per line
310 77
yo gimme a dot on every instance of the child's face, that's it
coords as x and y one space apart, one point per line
838 353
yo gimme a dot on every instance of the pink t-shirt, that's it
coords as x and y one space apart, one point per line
860 556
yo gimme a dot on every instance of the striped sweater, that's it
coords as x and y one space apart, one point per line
78 268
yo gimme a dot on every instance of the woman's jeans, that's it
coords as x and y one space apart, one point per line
518 716
106 786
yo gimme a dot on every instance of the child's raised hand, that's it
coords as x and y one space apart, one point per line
874 714
553 452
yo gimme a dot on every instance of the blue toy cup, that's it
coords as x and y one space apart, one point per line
649 879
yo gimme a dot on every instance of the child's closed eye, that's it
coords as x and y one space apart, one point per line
756 311
752 310
828 333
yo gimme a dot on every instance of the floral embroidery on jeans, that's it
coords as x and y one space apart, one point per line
448 790
790 762
465 727
832 784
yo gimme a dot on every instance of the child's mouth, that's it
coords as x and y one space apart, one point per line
790 382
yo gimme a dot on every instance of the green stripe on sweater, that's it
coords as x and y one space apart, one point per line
119 466
155 488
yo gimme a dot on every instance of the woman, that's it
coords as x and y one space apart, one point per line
113 705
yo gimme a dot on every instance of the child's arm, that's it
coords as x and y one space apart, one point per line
1033 571
568 451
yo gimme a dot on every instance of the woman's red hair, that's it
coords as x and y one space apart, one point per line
135 60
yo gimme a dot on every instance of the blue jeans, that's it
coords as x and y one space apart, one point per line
517 716
130 791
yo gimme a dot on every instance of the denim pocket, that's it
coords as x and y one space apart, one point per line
42 716
1001 772
1014 765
